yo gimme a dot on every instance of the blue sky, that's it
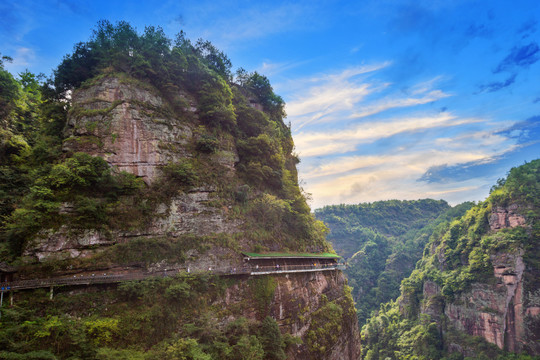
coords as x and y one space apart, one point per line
387 99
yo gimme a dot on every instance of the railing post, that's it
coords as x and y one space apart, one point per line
51 293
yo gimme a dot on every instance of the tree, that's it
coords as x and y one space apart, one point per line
271 339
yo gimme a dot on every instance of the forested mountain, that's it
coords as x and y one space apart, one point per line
383 241
143 155
475 291
351 226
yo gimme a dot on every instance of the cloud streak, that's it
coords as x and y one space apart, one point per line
342 141
396 146
498 85
353 94
331 94
519 56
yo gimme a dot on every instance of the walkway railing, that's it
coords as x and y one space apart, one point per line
114 278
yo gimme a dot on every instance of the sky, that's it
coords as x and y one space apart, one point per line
386 99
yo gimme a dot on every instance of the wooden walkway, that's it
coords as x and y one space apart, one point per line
104 278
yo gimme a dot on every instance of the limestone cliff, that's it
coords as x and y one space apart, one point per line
504 308
155 169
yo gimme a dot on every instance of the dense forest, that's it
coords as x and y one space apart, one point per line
383 241
460 257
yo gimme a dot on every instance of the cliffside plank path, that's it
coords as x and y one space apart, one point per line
254 264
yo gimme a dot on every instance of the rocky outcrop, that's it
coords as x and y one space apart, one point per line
505 310
187 213
128 126
505 217
296 302
502 313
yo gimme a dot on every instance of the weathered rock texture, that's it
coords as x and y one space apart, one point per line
132 130
494 312
126 125
503 217
504 311
187 213
296 304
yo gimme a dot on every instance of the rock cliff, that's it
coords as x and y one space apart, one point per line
500 310
503 308
474 293
132 127
302 304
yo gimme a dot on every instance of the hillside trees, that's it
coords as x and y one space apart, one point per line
459 254
383 241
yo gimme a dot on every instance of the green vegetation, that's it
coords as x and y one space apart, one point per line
171 318
458 254
353 225
52 188
383 241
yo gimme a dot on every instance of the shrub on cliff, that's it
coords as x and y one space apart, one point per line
271 339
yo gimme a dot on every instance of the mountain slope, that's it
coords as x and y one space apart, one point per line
478 277
384 240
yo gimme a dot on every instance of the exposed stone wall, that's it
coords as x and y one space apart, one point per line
502 311
505 217
296 298
497 312
126 125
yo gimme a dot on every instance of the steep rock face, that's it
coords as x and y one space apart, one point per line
503 314
131 129
297 303
505 310
504 217
187 213
122 123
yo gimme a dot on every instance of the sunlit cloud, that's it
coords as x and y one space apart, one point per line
392 176
419 94
315 143
391 103
269 68
323 95
415 162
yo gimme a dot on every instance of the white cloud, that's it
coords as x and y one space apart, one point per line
24 57
269 68
324 95
396 102
347 95
375 178
394 174
342 141
333 166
